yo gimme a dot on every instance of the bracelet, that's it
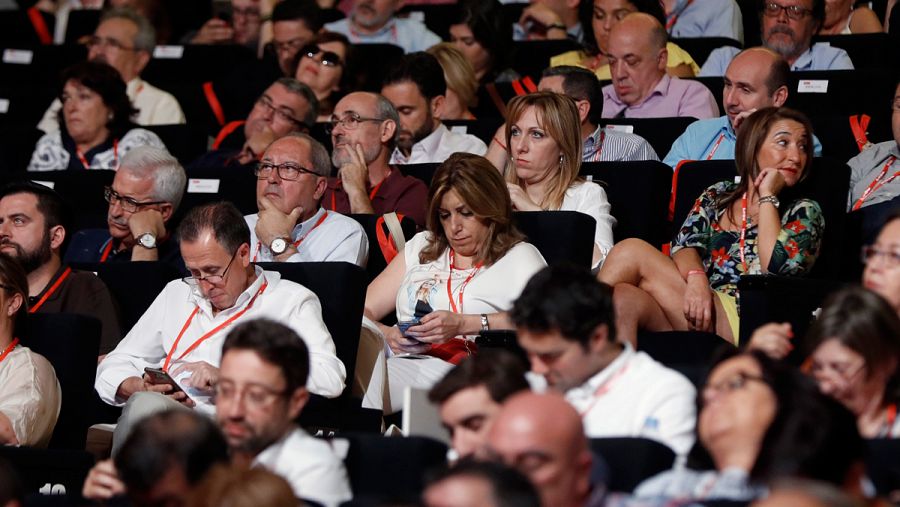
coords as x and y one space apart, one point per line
696 272
484 323
558 26
771 199
500 143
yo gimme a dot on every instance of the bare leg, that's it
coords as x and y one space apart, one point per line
635 309
720 322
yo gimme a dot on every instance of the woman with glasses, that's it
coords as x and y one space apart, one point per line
96 123
732 230
759 420
845 17
29 390
322 65
455 280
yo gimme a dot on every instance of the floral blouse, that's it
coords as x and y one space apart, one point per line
796 247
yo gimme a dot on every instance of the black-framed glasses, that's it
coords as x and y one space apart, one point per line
733 383
128 204
773 10
194 281
287 171
350 121
329 58
890 257
94 41
279 113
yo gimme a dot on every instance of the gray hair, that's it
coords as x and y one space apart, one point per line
298 88
386 111
168 176
321 161
145 40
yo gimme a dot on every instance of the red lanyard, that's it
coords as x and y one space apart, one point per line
50 292
602 389
106 250
596 156
372 192
743 230
877 183
209 334
674 17
462 288
891 416
300 240
715 147
87 165
9 349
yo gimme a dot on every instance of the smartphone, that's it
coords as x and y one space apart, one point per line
158 376
406 325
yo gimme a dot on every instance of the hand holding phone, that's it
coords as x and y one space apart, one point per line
160 377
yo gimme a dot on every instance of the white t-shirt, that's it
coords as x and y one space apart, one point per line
590 198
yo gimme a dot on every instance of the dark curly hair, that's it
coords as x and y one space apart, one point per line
105 81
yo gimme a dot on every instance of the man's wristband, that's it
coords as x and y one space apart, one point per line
558 26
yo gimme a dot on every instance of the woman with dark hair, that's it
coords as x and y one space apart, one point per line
96 127
323 65
732 230
483 35
29 391
759 420
598 17
457 278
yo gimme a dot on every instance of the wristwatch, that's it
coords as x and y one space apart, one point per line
484 323
147 240
771 199
278 245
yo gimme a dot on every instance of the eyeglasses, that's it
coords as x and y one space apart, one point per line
350 121
282 115
734 383
329 58
890 257
842 371
128 204
247 12
291 45
773 10
93 41
194 281
255 396
287 171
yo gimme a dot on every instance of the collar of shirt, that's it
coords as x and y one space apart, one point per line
134 86
587 390
196 297
391 24
728 128
661 89
591 143
428 145
306 224
271 455
805 60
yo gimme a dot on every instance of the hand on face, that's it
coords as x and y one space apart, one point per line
770 181
740 117
214 31
520 199
102 482
273 223
147 220
774 339
354 173
256 145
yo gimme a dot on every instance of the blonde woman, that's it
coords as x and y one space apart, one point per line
462 85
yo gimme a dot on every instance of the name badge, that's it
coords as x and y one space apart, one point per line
4 106
459 129
168 52
18 56
812 86
203 186
628 129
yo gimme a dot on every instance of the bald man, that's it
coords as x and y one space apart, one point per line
756 78
640 86
541 436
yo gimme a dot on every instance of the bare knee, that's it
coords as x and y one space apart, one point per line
623 262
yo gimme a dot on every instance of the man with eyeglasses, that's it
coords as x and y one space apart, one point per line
565 322
291 225
125 40
286 106
787 28
374 22
145 193
416 87
32 230
183 330
364 130
260 393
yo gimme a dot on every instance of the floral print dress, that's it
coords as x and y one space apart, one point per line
796 248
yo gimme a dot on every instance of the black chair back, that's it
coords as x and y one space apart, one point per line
883 465
687 352
49 471
82 190
560 236
632 460
661 133
483 129
81 22
234 184
691 179
531 57
374 462
424 172
184 142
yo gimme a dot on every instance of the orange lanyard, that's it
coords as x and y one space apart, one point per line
596 156
300 240
87 165
743 230
372 192
715 147
106 250
462 288
891 417
9 349
50 292
877 183
674 16
209 334
602 389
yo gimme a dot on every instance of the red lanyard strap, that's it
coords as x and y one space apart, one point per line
299 240
602 389
858 125
50 291
39 25
462 288
743 231
9 349
715 147
877 183
106 250
87 165
210 333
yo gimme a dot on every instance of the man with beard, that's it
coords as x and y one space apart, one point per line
416 87
291 226
373 21
260 393
787 28
32 231
144 195
363 132
125 40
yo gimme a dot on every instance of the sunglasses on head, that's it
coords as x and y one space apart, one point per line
329 58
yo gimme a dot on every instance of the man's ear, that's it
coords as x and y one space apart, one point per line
599 338
662 59
388 129
166 209
321 186
437 107
584 108
143 58
297 401
780 96
244 254
57 236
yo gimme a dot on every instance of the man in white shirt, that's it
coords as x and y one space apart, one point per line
564 320
373 22
125 40
417 88
183 329
291 226
260 393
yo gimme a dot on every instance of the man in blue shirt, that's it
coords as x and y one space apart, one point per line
375 23
787 28
756 78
